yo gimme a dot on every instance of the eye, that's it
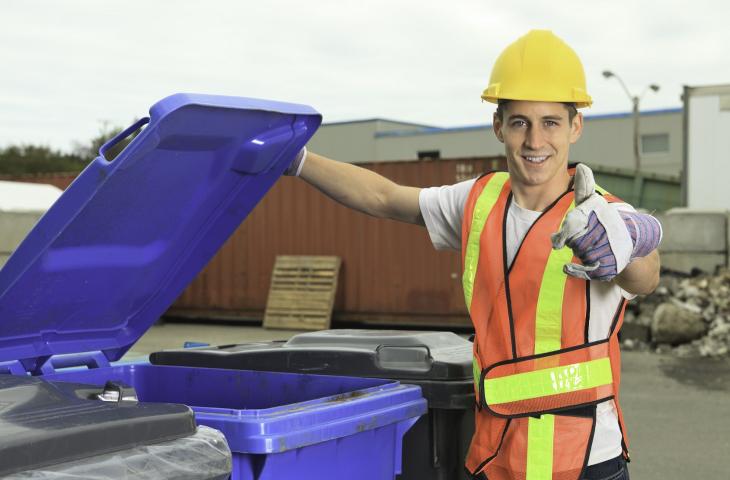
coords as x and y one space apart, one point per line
518 123
551 123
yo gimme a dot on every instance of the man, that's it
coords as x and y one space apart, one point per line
549 263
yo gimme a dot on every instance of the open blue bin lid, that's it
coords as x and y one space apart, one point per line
128 235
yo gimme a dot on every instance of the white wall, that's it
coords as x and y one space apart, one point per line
21 205
708 150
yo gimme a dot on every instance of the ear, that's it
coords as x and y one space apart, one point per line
497 127
576 127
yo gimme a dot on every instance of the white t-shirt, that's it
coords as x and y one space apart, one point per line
443 209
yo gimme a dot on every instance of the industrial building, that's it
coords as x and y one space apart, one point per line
607 141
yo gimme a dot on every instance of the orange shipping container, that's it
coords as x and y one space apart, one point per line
390 273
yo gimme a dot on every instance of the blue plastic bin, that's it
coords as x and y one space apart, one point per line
284 425
122 243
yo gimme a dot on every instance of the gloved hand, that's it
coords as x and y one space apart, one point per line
604 239
296 165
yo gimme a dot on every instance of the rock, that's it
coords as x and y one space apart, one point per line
704 296
687 350
688 291
689 306
646 318
634 331
629 344
661 290
675 324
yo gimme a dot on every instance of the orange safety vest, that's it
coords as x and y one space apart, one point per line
536 376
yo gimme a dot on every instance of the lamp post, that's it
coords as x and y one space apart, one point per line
635 99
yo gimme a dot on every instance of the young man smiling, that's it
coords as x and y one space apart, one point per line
550 261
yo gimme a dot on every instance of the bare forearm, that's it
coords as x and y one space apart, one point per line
361 189
641 276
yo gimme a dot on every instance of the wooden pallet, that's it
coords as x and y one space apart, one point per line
302 292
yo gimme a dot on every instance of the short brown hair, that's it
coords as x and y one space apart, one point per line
572 110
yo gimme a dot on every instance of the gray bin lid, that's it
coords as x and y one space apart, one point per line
47 423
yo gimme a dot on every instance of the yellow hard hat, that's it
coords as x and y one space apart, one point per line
538 67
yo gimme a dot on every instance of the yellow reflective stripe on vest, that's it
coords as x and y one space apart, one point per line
548 381
549 313
548 338
602 190
540 435
483 207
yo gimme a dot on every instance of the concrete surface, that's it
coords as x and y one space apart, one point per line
168 335
678 416
687 261
694 239
677 410
688 230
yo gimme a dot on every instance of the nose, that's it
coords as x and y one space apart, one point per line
534 139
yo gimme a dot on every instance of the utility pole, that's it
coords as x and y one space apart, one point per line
635 100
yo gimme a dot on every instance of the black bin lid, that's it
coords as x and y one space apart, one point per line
439 362
415 355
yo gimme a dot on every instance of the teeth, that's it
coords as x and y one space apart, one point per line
535 159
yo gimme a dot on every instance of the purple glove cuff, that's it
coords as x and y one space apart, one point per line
645 231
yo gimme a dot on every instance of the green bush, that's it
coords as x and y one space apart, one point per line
34 159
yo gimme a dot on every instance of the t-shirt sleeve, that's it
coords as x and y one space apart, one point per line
442 209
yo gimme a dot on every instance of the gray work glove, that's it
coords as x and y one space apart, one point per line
595 231
296 165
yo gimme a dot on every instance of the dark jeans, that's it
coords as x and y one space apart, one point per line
614 469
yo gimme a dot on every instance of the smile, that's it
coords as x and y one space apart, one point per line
535 159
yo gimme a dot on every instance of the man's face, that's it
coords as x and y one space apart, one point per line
537 138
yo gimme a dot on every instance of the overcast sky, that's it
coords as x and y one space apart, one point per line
67 66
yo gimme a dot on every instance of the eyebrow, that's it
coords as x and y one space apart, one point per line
517 116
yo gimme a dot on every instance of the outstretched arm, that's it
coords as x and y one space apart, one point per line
362 189
641 276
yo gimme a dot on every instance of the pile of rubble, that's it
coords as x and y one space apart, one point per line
685 315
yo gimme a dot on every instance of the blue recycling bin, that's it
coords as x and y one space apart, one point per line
122 243
283 424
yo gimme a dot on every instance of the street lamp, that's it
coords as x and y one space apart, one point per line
635 99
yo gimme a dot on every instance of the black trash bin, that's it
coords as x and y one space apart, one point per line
439 362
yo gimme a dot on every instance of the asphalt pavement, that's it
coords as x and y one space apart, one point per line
677 412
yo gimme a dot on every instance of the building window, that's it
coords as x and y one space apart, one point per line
429 154
655 143
465 171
